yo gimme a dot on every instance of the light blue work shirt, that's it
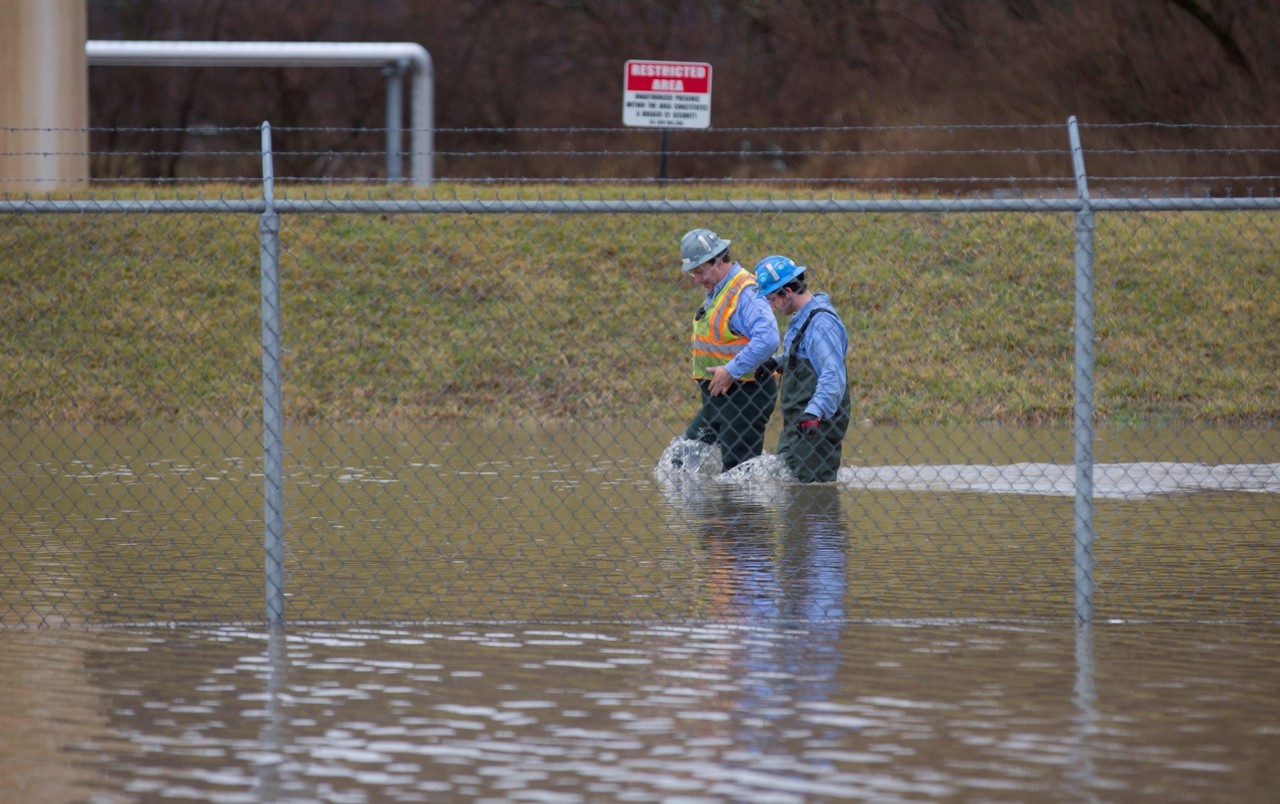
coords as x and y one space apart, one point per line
752 318
824 344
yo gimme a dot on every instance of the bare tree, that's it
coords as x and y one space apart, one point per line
508 70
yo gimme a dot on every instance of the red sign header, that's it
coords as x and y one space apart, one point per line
690 78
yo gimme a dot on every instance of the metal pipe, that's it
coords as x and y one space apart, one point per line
103 52
395 118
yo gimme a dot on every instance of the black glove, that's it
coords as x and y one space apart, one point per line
766 369
808 424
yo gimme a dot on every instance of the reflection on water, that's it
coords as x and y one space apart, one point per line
395 523
1082 775
771 553
716 710
600 629
977 541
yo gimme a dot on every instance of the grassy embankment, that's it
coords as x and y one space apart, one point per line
111 317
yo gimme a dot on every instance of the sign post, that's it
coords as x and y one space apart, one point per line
666 95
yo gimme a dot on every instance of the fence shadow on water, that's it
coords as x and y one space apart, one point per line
478 386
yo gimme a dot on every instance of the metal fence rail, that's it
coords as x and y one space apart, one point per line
452 406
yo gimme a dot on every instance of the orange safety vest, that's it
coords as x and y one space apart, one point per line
713 343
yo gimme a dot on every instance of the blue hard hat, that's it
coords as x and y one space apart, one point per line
775 271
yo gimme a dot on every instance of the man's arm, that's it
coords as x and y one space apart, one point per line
826 345
755 319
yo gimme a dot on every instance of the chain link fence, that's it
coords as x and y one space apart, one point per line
480 386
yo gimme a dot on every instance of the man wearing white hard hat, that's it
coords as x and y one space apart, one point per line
734 331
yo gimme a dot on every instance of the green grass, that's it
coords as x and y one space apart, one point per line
962 317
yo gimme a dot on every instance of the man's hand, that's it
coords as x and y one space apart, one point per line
808 424
721 380
766 369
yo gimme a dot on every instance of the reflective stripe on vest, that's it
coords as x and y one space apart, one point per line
713 343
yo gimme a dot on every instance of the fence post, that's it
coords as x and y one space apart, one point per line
272 413
1084 408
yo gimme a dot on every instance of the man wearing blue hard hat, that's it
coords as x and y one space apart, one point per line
734 332
815 398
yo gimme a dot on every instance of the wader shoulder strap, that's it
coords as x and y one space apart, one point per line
795 345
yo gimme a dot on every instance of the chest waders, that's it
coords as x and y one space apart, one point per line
736 419
813 458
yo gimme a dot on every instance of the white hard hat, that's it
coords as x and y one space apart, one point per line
698 246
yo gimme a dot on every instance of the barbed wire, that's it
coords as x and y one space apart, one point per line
568 129
123 155
1048 127
1260 126
771 152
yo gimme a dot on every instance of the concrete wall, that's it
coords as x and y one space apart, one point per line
44 95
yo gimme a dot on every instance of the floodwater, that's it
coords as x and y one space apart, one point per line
567 616
689 712
540 524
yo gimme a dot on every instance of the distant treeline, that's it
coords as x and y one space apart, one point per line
504 69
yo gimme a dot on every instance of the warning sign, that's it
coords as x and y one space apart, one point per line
666 94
